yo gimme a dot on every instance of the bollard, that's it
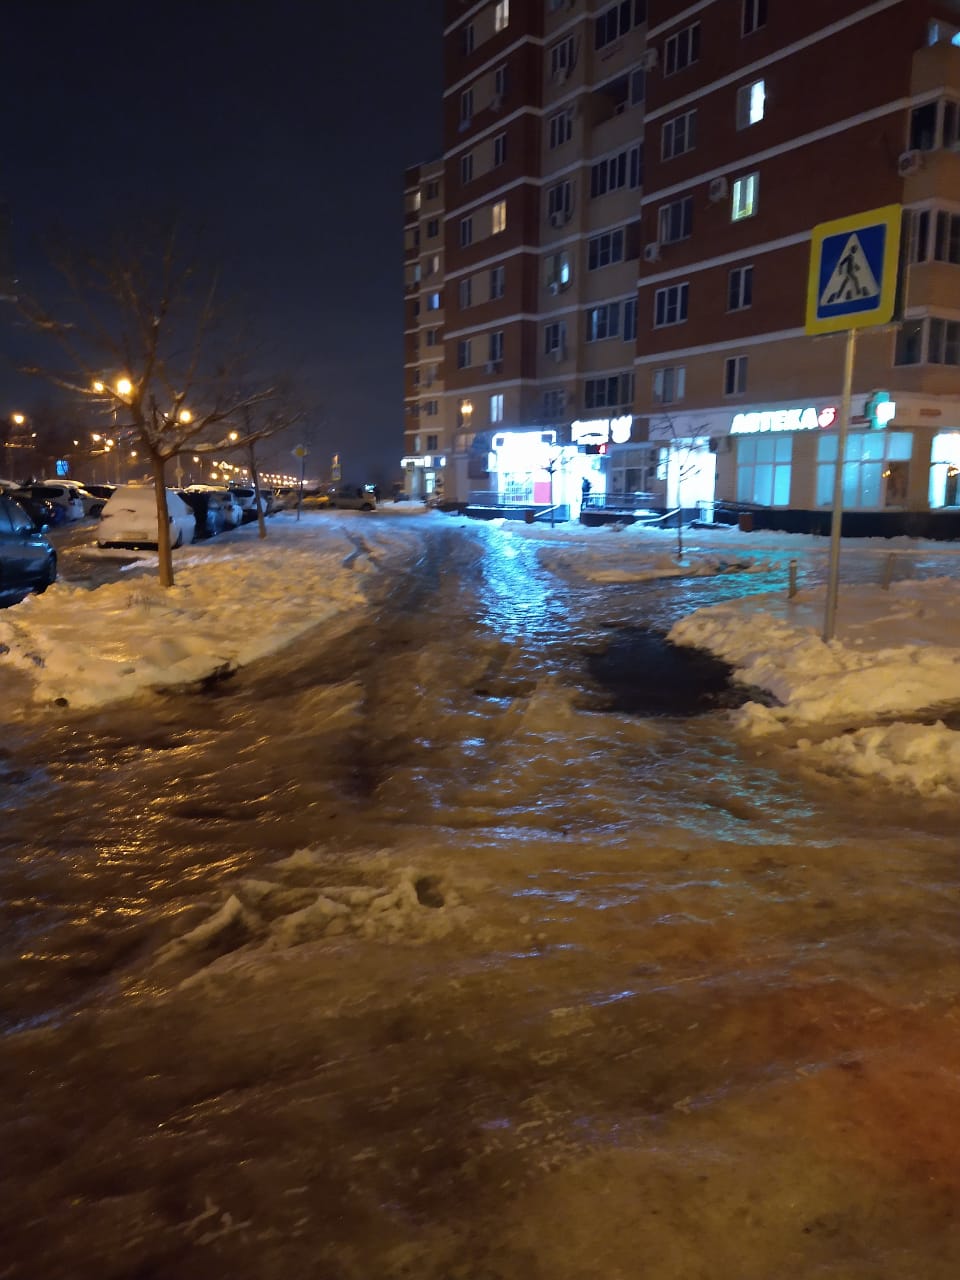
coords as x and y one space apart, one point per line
888 573
792 591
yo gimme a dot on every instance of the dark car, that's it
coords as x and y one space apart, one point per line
100 490
27 560
206 513
44 513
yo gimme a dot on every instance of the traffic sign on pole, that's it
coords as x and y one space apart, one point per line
852 280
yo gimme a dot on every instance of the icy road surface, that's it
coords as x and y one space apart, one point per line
398 956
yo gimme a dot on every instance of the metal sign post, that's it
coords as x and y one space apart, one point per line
300 452
851 285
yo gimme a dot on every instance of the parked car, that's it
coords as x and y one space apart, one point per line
246 496
353 498
101 490
130 519
230 511
207 517
64 495
27 560
93 504
43 513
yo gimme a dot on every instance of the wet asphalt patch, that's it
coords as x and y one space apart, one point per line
642 673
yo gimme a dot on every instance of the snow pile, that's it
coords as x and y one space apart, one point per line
857 677
233 602
303 903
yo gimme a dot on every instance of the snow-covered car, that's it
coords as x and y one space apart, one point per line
229 512
64 495
130 519
27 560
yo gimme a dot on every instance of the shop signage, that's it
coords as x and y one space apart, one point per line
750 424
602 430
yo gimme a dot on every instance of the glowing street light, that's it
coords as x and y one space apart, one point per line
18 418
124 386
234 435
98 388
185 416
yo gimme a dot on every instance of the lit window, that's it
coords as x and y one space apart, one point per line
499 217
501 15
433 302
496 407
751 104
746 192
416 200
669 384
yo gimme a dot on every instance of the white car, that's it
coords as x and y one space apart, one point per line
64 495
130 519
231 513
246 496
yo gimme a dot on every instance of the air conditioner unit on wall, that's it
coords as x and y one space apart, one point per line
718 190
649 59
909 162
651 251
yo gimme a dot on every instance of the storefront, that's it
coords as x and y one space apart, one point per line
424 476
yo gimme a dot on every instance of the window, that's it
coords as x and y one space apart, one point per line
562 56
935 124
496 407
466 40
616 172
466 293
608 393
416 200
751 103
630 320
935 236
416 377
414 409
559 203
555 338
500 81
432 443
466 168
466 108
463 354
604 249
676 220
433 264
433 301
433 190
943 341
682 49
466 232
754 16
495 353
746 193
498 219
554 5
670 305
764 464
638 86
740 289
499 150
669 384
678 135
603 321
909 344
560 128
735 375
501 15
433 228
431 408
617 21
497 281
554 402
558 271
876 468
433 337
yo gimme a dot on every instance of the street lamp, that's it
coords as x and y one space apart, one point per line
18 419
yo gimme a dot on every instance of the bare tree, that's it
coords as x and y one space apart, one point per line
142 335
683 458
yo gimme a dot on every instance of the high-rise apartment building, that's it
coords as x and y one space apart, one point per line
629 192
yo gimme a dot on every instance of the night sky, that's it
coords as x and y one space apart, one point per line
280 130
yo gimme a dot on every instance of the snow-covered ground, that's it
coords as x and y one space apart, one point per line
863 703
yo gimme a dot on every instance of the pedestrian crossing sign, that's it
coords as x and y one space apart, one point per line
854 262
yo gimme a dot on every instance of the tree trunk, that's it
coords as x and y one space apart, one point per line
163 521
255 474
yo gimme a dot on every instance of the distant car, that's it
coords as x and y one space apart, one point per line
286 497
230 513
93 504
130 519
207 517
353 498
99 490
27 560
64 495
246 496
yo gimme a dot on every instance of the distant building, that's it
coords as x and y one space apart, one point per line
619 236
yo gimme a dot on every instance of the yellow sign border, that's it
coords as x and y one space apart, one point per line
889 215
